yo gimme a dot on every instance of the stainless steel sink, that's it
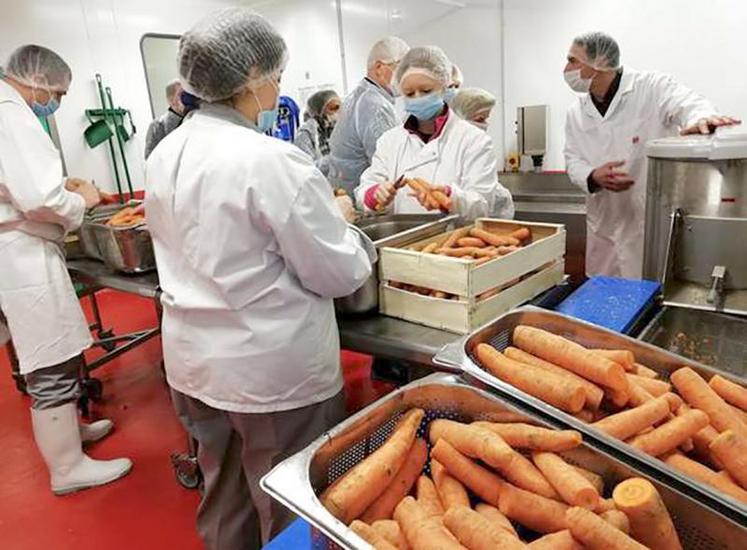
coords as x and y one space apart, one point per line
379 228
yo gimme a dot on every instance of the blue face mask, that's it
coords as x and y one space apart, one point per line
44 110
424 107
266 118
449 95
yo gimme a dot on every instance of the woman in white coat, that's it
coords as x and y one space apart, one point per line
37 208
605 134
251 249
435 145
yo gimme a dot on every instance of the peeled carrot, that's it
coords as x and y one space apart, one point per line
650 522
472 441
594 393
618 398
349 496
605 505
652 386
623 357
471 242
450 490
595 533
494 515
389 529
459 252
730 448
430 248
371 536
482 482
476 532
421 531
617 519
706 475
455 236
702 441
522 234
628 423
672 434
522 473
554 389
729 391
595 479
700 395
585 415
574 488
571 356
643 370
428 498
638 395
495 240
399 487
526 436
562 540
538 513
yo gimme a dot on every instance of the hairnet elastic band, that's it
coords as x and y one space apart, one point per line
418 70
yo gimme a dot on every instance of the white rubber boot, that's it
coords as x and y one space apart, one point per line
58 437
95 431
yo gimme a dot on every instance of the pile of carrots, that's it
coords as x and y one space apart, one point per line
487 478
126 216
479 245
700 430
434 198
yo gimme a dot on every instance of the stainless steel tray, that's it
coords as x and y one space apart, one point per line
88 245
458 357
125 249
296 481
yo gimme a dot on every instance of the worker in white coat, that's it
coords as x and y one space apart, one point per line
606 130
434 145
37 208
474 105
251 248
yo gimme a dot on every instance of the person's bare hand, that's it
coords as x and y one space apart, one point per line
384 195
609 177
71 184
426 198
88 191
708 125
345 204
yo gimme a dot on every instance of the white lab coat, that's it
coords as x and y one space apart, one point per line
462 157
646 106
250 249
36 294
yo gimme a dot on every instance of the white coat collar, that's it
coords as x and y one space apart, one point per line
9 93
224 112
627 82
369 84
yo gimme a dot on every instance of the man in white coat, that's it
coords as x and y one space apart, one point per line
37 208
606 131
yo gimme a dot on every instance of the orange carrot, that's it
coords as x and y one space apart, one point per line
522 473
494 515
592 477
730 448
650 522
643 370
355 491
471 242
638 395
585 415
562 540
729 391
371 536
472 441
428 498
574 488
617 519
605 505
702 441
422 532
554 389
522 234
538 513
594 393
459 252
571 356
618 398
623 357
705 475
700 395
455 236
628 423
670 435
526 436
389 529
482 482
450 490
495 240
652 386
595 533
476 532
399 487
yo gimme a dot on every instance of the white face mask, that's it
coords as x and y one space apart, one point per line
576 82
481 125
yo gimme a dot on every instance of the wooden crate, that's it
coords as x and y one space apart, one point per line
467 313
463 278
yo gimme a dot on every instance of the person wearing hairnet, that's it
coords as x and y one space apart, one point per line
433 145
169 120
620 109
474 105
38 206
365 115
457 79
313 135
251 248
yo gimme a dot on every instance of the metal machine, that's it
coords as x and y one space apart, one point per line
531 132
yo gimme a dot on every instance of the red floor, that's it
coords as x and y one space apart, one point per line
147 509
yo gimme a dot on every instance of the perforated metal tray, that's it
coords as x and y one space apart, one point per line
296 481
459 357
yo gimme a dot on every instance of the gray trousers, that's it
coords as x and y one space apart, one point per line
235 451
55 386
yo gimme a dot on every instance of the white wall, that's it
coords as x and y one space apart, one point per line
699 43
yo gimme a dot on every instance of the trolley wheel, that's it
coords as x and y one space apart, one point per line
187 471
93 388
108 346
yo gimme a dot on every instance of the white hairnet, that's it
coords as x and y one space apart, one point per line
428 60
387 50
457 78
318 100
229 51
602 51
470 101
37 66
